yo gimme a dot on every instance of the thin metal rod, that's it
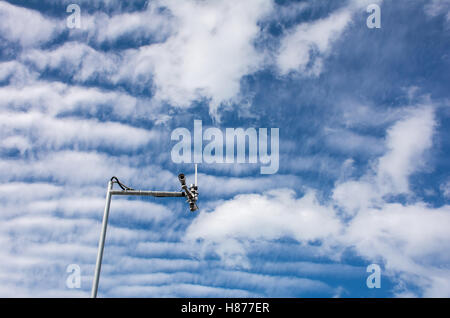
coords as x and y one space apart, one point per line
195 178
101 243
164 194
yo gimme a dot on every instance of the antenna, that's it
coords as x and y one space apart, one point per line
195 178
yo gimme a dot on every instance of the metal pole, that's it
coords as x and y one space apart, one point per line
158 194
101 243
192 197
195 178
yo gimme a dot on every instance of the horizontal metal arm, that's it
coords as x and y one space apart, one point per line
148 193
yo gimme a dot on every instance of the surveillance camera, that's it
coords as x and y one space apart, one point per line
182 179
193 207
191 193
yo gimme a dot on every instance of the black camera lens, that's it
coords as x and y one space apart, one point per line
182 179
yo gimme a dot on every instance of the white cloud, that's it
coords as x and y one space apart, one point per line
85 174
15 192
270 216
411 240
220 186
445 189
178 290
274 215
208 53
407 142
15 143
209 284
16 73
350 142
354 114
113 5
75 60
317 163
65 166
344 196
298 46
56 98
305 46
46 132
206 48
437 7
202 49
38 248
27 27
138 25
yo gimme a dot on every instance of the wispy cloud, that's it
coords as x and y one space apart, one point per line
78 106
33 29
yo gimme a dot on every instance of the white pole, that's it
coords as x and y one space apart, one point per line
195 178
101 243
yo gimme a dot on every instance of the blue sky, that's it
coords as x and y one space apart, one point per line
363 175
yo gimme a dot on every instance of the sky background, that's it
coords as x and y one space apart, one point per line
364 124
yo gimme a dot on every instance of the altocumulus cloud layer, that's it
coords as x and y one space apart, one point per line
363 117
